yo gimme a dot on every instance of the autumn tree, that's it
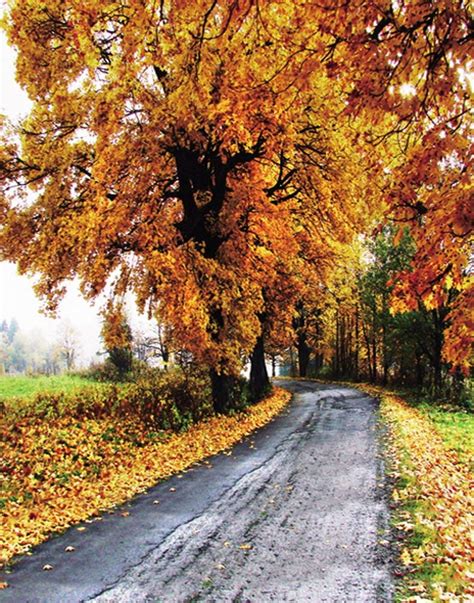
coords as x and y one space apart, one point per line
152 343
68 345
200 154
159 158
117 337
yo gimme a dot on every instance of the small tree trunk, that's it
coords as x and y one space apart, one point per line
357 345
437 349
385 355
419 370
374 345
223 391
259 381
337 356
304 353
292 363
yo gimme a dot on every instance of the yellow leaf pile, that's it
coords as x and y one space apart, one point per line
442 489
58 472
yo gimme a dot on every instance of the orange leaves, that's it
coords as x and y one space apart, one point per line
77 469
115 330
443 488
328 90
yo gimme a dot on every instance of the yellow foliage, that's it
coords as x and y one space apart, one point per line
434 475
59 472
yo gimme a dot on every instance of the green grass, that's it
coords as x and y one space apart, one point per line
26 387
456 427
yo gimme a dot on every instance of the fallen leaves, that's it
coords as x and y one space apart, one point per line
435 494
63 471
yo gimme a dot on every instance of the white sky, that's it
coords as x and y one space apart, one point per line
17 298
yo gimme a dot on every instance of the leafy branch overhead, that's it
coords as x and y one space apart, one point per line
218 158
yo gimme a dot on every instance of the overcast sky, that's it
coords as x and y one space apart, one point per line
17 298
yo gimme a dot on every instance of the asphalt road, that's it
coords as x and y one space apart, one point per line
294 513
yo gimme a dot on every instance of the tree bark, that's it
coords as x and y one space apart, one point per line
259 381
357 345
223 391
374 345
304 352
437 349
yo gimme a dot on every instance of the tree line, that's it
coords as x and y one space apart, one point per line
31 353
223 161
357 337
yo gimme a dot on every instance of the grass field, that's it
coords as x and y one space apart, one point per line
25 387
456 427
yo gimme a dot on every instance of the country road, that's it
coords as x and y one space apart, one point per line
294 513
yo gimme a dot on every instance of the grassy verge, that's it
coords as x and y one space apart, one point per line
64 470
430 454
26 387
455 426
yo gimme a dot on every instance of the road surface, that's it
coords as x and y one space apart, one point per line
297 512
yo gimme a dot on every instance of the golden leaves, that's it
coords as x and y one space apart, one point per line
52 486
443 487
117 92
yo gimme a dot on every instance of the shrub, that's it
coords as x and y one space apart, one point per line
160 399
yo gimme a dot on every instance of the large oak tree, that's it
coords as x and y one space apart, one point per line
204 154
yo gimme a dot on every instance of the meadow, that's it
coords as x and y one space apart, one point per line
23 386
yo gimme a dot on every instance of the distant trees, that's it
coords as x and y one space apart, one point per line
13 355
361 337
68 345
118 339
153 344
22 352
213 158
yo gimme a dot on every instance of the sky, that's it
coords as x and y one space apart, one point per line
17 298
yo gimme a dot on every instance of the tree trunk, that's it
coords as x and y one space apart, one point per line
385 355
292 363
304 352
419 370
223 391
273 365
437 349
374 345
259 381
357 345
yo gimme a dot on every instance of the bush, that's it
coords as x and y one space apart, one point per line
167 399
160 399
104 372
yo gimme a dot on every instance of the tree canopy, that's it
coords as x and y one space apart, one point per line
219 158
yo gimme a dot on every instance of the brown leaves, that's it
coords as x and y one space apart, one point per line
443 490
123 468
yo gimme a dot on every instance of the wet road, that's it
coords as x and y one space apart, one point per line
295 513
